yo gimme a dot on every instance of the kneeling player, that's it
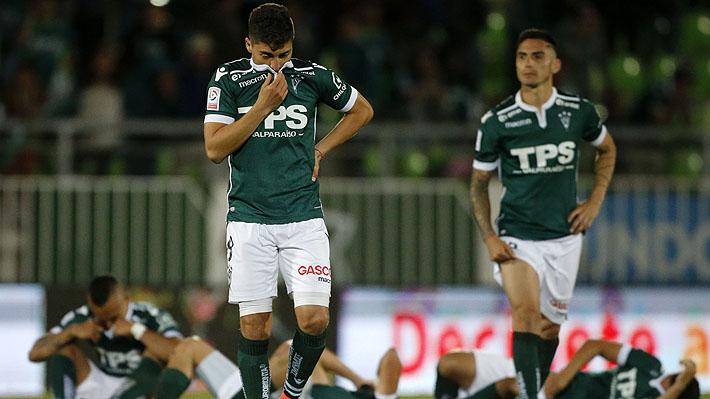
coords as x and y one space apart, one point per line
195 356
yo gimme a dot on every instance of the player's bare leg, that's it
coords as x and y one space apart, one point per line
458 369
522 286
306 348
388 373
68 366
195 356
278 362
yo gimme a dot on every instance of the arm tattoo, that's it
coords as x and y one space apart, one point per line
481 202
50 341
604 169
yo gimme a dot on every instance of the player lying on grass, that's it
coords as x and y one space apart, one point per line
194 356
639 375
131 341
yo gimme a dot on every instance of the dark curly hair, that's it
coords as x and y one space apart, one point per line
270 23
101 289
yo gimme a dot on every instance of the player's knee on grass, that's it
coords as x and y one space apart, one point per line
388 373
459 367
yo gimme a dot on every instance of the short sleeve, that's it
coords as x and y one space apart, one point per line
593 129
487 149
641 360
76 316
221 104
166 324
333 90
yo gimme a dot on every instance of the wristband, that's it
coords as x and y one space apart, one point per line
137 331
320 152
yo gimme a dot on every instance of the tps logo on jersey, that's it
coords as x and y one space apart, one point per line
213 98
563 153
565 117
296 114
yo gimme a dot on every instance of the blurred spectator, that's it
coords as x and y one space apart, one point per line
24 96
101 103
196 73
669 103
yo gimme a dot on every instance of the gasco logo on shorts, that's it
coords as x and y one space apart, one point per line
558 304
316 270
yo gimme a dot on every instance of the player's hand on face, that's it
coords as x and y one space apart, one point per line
583 216
122 327
87 330
273 92
498 250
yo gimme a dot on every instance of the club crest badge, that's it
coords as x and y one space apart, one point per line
295 80
565 117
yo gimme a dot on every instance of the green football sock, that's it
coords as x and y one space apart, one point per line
240 394
171 384
445 388
527 363
142 382
547 350
61 377
305 352
254 367
488 392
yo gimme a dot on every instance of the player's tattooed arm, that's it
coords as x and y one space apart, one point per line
481 201
583 216
50 343
498 250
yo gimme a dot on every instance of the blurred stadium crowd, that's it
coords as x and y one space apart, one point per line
645 63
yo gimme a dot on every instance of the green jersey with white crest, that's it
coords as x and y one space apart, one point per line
537 155
120 356
638 376
270 174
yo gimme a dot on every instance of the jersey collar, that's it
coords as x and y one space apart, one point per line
541 116
264 67
657 383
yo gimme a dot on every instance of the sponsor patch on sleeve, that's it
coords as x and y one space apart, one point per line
213 98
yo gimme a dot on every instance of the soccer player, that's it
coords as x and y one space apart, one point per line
261 116
194 356
639 375
533 138
131 340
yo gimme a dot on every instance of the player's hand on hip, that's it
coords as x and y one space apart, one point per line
583 216
316 167
272 93
498 250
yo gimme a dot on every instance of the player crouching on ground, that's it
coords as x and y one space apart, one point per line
639 375
194 356
131 340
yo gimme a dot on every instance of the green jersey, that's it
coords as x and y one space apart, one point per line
638 376
537 154
120 356
270 174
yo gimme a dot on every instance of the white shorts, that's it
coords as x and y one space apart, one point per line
98 385
255 253
490 367
556 262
